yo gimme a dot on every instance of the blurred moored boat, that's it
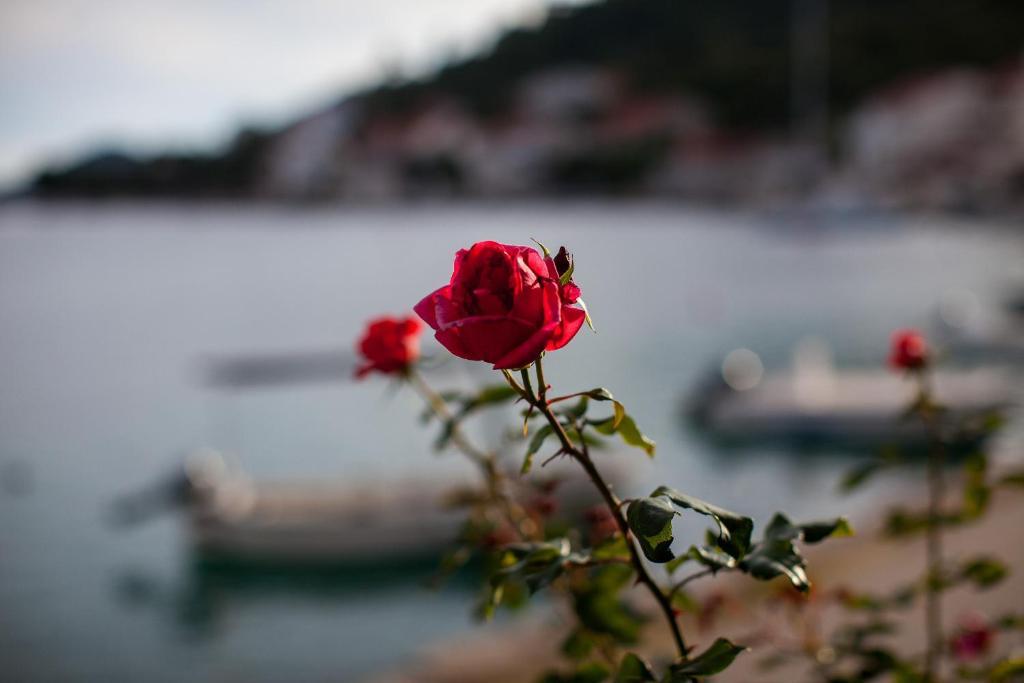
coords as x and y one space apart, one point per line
231 517
815 403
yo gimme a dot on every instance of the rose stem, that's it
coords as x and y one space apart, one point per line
521 522
936 492
541 403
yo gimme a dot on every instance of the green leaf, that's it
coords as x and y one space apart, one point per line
777 557
1010 622
567 275
672 565
631 434
902 522
591 672
859 475
612 548
586 313
714 660
976 490
601 611
633 669
991 422
734 530
619 416
650 520
543 249
1015 478
612 577
781 529
984 572
490 604
490 395
602 394
712 558
900 598
536 564
578 644
577 410
815 532
625 427
535 443
1006 670
447 429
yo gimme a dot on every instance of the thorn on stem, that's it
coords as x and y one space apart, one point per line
557 453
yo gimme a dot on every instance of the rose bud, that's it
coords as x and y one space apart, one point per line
504 305
389 346
562 264
544 506
498 537
973 639
601 522
909 350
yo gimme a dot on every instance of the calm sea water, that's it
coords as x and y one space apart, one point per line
107 313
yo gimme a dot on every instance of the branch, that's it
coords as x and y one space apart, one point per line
581 455
692 577
487 462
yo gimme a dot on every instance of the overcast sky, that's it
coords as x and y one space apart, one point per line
79 74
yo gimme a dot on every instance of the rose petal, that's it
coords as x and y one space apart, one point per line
451 341
491 337
572 321
528 351
427 308
533 261
460 261
539 304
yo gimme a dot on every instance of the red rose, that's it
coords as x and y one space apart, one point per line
389 345
504 305
973 639
909 350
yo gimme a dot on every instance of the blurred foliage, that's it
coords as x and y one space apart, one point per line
523 550
232 172
735 53
862 647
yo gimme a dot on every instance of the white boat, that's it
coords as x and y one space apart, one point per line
816 403
229 516
233 517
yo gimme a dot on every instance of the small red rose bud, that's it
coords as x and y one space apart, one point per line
389 346
973 638
500 536
909 350
544 506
